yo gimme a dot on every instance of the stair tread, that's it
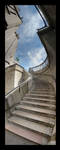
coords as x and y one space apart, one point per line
44 92
36 109
34 117
38 103
43 95
31 125
26 97
40 89
27 134
40 100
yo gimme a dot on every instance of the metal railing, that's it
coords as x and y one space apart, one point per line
40 67
20 85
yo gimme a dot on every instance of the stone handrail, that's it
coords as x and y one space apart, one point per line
39 67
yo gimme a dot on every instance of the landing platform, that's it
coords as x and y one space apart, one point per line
12 139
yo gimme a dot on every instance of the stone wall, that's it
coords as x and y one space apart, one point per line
18 75
9 79
12 20
10 44
13 75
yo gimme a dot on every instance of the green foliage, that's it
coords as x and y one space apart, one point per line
17 59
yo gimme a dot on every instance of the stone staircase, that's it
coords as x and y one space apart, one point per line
34 117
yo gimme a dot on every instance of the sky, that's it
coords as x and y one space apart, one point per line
30 50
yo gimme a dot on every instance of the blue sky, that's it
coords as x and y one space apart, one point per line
30 50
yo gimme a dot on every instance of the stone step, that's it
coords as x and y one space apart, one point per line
40 105
42 92
40 95
42 112
41 89
27 134
34 117
36 98
40 129
49 101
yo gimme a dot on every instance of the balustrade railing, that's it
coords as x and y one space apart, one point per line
40 67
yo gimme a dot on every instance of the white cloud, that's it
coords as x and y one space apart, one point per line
31 22
37 56
29 28
32 25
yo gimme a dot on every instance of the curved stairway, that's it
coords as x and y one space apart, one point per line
34 117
